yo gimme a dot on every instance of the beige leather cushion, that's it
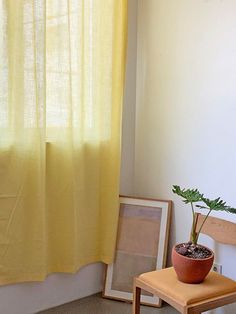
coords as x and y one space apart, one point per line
166 282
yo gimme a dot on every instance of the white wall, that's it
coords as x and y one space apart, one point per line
28 298
58 289
186 107
128 123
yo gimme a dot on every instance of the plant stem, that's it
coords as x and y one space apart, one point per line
198 233
193 232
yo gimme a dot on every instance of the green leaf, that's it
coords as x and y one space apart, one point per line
217 204
188 195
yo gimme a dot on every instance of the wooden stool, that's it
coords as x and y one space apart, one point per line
215 291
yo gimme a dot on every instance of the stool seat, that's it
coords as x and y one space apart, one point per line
165 282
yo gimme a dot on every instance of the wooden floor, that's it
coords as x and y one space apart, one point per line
97 305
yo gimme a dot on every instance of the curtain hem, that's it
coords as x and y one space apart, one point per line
33 277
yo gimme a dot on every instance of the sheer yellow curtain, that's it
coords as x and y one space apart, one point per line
61 84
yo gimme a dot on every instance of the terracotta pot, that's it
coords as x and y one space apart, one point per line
190 270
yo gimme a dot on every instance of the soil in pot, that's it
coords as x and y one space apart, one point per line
191 262
193 250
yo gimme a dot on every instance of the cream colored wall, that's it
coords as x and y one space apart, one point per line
29 298
58 289
128 123
186 107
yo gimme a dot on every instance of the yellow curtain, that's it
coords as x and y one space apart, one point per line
61 84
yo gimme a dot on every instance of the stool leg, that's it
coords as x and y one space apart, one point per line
136 299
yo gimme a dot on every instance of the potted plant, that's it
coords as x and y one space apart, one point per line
192 261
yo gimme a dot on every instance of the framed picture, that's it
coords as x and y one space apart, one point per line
141 246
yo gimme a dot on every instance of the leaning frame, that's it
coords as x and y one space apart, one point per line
142 241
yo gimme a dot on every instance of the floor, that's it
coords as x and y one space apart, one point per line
97 305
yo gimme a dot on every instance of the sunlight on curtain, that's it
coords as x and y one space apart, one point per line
61 84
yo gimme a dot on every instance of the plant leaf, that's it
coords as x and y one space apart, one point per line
217 204
188 195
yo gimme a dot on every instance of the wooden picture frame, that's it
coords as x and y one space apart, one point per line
142 240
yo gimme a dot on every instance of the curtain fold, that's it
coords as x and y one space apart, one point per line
61 86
